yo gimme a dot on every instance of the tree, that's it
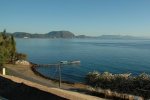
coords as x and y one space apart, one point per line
13 49
2 57
21 56
8 49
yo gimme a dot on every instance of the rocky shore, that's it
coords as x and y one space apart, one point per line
29 72
22 62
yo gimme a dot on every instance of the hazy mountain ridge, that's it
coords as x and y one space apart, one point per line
60 34
52 34
68 34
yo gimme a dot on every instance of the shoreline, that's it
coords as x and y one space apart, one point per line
29 71
105 91
26 72
33 68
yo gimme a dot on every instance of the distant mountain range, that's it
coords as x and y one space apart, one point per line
53 34
68 34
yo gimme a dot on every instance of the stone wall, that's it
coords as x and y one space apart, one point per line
20 87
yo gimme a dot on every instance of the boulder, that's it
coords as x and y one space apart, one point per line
22 62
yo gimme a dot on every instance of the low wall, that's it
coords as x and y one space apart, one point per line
64 94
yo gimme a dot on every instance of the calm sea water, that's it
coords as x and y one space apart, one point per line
116 56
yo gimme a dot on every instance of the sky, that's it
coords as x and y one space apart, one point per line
87 17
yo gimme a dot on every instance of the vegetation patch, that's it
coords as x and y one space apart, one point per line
8 53
121 83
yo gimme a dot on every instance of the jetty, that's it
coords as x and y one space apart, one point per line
69 62
60 63
46 65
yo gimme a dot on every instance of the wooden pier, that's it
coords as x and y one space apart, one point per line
46 65
59 64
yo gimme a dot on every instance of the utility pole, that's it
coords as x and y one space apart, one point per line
59 65
64 63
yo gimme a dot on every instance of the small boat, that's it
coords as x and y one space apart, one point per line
25 37
70 62
64 62
75 62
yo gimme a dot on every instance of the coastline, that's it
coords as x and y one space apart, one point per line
33 68
30 73
27 73
104 93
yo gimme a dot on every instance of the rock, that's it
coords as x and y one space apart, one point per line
22 62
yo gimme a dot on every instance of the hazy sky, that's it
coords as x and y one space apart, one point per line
88 17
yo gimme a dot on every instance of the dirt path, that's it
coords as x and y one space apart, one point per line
25 72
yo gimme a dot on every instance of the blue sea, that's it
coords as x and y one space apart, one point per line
115 56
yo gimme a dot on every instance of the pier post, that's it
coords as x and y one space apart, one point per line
59 65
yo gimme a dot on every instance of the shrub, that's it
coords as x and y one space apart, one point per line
20 56
124 83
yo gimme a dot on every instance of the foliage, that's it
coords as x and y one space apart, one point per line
8 49
21 56
123 83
